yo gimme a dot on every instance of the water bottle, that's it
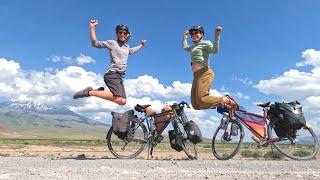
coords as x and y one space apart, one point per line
234 129
224 120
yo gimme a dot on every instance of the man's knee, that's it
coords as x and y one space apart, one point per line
120 101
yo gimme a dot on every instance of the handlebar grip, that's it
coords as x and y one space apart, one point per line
184 103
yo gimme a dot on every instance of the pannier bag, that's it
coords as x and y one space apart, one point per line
286 118
194 132
121 123
162 118
173 141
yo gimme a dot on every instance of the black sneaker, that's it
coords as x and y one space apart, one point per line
83 93
100 89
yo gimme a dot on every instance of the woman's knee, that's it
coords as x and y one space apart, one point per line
195 106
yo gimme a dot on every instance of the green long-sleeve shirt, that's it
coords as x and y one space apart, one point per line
200 51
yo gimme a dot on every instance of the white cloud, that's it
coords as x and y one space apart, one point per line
80 60
8 69
297 85
245 81
240 95
83 59
149 86
311 57
56 87
312 104
66 59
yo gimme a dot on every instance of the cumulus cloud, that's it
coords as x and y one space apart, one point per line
297 85
8 69
83 59
245 81
57 86
66 59
311 57
149 86
240 95
80 60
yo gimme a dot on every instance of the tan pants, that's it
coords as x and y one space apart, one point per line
200 98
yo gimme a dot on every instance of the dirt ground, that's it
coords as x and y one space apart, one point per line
49 161
115 169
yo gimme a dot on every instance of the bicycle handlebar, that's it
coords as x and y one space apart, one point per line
181 105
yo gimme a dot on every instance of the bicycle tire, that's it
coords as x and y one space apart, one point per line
183 142
311 156
130 156
215 146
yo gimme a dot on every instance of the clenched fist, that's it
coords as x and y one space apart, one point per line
93 23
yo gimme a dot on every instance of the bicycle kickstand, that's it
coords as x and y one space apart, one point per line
148 150
151 152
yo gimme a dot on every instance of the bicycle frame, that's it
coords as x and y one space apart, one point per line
264 136
153 137
149 121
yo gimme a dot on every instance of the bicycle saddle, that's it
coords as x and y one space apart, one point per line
141 108
264 104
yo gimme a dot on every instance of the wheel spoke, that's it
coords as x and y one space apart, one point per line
301 147
131 145
226 142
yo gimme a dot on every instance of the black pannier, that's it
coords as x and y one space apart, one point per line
173 141
194 132
287 118
121 123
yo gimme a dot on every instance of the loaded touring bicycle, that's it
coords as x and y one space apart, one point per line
282 126
129 134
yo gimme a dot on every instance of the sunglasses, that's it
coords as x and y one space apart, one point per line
194 33
122 33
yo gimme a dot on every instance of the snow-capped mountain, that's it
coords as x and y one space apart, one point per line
37 108
30 119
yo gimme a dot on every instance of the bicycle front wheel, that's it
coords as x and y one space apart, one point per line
132 144
182 137
303 145
226 140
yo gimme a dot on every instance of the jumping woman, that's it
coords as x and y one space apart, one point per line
119 51
203 76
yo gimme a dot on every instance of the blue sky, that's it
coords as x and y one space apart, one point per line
260 40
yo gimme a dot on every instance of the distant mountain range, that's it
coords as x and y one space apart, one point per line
29 119
36 108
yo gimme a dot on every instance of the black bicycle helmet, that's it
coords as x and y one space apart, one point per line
122 27
197 28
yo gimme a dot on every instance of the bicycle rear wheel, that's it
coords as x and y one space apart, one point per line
131 145
226 143
304 146
182 137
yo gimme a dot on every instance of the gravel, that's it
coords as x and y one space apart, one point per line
45 168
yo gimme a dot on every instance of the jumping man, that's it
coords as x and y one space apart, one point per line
119 51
